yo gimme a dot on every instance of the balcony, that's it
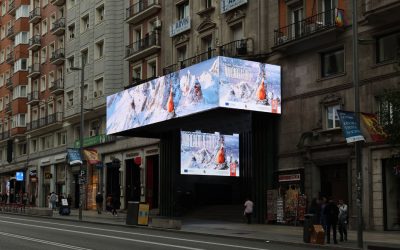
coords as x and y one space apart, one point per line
180 26
198 58
170 68
10 58
138 81
5 135
11 7
9 82
35 43
143 48
34 70
34 16
309 27
51 119
381 11
57 2
57 86
141 10
238 48
7 108
57 57
33 97
10 33
58 27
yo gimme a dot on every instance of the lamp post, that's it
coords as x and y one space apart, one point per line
82 70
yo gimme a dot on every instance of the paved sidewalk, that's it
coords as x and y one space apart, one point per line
272 233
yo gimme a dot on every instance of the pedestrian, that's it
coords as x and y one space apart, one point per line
248 210
331 213
25 199
53 200
343 220
322 212
69 200
115 205
315 209
109 203
49 201
99 202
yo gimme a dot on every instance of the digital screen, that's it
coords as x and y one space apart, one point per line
19 176
218 82
209 154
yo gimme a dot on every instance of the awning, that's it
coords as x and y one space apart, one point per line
91 156
73 156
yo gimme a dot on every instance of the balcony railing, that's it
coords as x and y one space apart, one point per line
11 7
142 45
57 86
333 18
33 97
58 27
35 42
34 15
141 10
10 58
10 32
58 56
8 107
46 121
237 48
9 82
198 58
34 70
57 2
170 68
138 81
5 135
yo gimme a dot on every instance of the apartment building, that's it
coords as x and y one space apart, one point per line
14 31
312 40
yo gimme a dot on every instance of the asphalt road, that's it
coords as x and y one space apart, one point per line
20 232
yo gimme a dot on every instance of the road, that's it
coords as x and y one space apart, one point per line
21 232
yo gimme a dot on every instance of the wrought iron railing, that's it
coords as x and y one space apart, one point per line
170 68
57 84
33 96
198 58
236 48
44 121
138 7
310 25
57 54
35 40
5 135
34 13
150 40
59 23
10 31
34 68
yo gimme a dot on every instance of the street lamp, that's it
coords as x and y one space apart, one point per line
82 70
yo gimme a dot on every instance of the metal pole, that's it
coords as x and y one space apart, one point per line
358 143
81 140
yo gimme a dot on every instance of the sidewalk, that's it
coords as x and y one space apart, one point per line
272 233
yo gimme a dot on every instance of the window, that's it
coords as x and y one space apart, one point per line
99 14
99 47
19 92
43 84
52 48
71 31
207 4
152 69
21 38
70 99
22 11
206 43
388 112
297 16
2 32
94 128
18 120
98 87
70 63
85 92
43 55
183 10
3 8
51 79
84 57
387 47
44 27
332 118
20 64
1 106
22 149
332 62
84 23
2 55
34 145
61 138
1 80
137 73
181 53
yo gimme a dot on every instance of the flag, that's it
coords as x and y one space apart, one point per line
91 156
74 156
350 126
375 130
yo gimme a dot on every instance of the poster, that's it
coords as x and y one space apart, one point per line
209 154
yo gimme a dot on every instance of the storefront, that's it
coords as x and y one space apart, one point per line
391 190
32 186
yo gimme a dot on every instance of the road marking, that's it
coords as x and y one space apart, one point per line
103 235
141 234
43 241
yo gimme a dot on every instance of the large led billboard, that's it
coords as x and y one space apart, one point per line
218 82
209 154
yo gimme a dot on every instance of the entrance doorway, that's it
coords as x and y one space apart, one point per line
334 182
46 193
152 181
132 181
112 184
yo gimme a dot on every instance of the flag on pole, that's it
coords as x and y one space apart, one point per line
91 156
375 130
350 126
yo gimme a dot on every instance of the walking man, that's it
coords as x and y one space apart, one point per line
343 217
331 214
248 210
99 202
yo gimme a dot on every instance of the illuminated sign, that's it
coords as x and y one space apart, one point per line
19 176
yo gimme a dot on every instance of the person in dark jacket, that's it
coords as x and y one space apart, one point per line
331 213
115 205
99 202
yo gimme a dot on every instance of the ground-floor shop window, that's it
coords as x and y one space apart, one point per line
391 185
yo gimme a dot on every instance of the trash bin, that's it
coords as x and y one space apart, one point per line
132 213
308 227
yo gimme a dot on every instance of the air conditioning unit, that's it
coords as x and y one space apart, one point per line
157 23
92 132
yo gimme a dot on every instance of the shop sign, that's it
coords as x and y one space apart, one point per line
74 156
289 177
227 5
179 26
19 176
94 140
131 155
350 126
34 179
48 175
